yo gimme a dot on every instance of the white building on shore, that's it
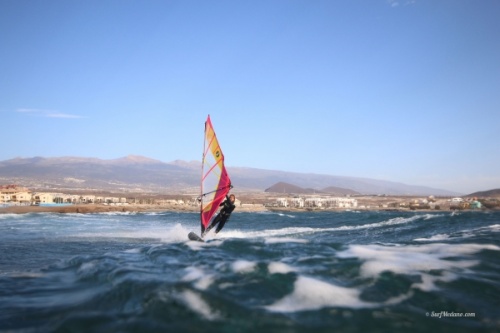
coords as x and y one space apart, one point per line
14 194
317 202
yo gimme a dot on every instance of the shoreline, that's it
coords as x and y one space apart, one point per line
97 208
93 208
90 209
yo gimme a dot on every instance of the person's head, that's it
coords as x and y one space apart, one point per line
232 198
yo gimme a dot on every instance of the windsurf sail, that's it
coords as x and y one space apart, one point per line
215 182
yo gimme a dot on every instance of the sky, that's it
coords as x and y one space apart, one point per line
400 90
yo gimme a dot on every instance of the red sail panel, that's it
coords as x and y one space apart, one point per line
215 182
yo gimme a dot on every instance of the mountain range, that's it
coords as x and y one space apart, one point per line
137 173
282 187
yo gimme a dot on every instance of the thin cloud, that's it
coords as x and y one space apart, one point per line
393 3
49 113
28 110
397 3
62 115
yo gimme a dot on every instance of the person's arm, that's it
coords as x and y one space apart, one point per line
227 200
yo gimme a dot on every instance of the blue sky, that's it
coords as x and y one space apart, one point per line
407 91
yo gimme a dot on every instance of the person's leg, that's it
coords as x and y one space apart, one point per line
221 224
211 225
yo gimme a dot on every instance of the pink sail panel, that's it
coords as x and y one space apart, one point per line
215 182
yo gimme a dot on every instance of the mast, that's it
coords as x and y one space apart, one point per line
202 173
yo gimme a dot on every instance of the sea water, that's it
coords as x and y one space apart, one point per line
265 272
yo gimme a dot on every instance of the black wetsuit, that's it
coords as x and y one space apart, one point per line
222 217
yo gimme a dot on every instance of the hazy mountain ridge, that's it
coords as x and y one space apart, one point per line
282 187
138 172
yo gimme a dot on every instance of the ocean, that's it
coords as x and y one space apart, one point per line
265 272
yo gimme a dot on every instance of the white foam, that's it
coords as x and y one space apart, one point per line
264 233
114 213
203 280
301 230
279 268
195 245
11 216
135 250
234 234
87 269
176 234
192 273
23 275
274 240
431 216
390 222
313 294
172 234
287 215
416 259
225 285
273 234
279 232
243 266
493 227
438 237
468 233
198 305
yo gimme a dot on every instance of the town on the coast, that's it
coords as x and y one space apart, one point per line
13 195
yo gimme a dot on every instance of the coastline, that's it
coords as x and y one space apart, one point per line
96 208
90 209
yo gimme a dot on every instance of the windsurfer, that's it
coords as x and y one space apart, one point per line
224 214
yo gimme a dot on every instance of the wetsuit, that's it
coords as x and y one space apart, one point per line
222 217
